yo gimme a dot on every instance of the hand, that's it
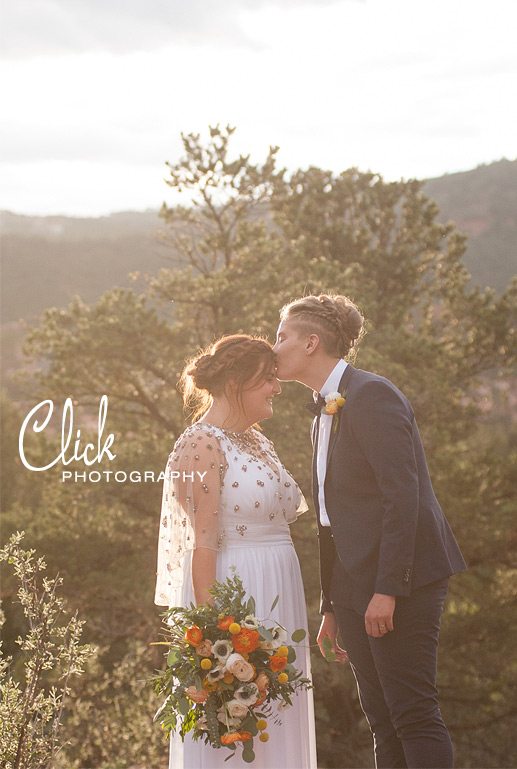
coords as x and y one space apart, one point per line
329 629
379 615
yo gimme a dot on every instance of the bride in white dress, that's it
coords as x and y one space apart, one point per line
228 502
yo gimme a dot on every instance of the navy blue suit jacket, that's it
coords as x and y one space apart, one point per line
388 533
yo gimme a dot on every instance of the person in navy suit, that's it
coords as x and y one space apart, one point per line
386 549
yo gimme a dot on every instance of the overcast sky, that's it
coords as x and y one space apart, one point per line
95 93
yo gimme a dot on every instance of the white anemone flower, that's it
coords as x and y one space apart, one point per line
248 693
279 637
215 674
222 650
250 622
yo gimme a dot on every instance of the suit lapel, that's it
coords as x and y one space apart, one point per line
315 435
343 386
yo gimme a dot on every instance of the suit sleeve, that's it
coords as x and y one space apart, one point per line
383 424
327 552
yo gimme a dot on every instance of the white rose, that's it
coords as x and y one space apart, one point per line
238 667
237 708
223 717
332 397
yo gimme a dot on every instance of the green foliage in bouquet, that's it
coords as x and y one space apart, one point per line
224 669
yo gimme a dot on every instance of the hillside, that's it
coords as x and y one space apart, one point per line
47 260
483 204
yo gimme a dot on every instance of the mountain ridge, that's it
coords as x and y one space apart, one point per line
89 255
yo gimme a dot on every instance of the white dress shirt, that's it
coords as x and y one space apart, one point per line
331 385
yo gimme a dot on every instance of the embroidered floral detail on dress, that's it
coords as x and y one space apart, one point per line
241 529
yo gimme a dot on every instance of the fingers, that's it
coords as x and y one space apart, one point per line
379 615
329 629
341 655
378 628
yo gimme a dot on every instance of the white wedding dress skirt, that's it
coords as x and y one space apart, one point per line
267 568
242 510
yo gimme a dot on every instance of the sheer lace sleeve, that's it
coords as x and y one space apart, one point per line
190 502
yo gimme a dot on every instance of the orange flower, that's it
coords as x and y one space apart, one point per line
230 737
277 663
263 695
193 694
225 622
194 635
246 641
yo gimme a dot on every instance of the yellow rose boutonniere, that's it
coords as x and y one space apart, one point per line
333 403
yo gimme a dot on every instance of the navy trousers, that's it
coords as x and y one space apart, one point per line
396 680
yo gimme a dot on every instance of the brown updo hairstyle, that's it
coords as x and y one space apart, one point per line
334 318
239 357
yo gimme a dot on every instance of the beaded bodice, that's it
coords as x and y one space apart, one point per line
219 485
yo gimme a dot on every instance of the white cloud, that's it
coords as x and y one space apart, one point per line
36 27
402 88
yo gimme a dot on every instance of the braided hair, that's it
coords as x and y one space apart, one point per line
239 357
336 319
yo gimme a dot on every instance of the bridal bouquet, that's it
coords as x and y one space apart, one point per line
224 668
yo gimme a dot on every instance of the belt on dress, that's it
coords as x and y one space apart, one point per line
256 535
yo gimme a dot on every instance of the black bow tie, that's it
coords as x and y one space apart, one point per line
317 406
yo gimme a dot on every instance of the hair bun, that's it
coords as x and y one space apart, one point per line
201 372
239 357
